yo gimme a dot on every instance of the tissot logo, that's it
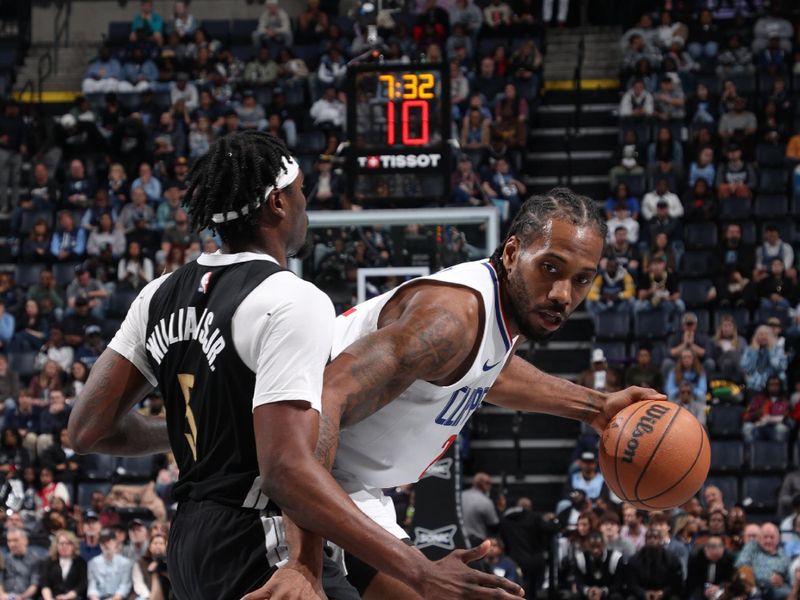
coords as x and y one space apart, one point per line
399 161
440 538
442 469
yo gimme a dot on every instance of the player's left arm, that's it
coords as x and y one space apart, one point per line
521 386
102 419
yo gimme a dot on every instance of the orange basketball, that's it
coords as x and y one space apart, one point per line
654 455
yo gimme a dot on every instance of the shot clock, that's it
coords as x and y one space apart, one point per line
398 125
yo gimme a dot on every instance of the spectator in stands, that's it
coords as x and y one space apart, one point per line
329 111
137 541
613 289
703 167
525 69
625 253
106 239
480 516
735 178
55 349
661 195
653 572
587 478
183 23
487 81
623 219
644 373
733 253
139 72
68 243
78 187
474 134
699 202
90 544
21 570
251 115
148 182
774 247
13 148
599 571
610 529
525 535
36 247
273 25
763 358
181 234
658 290
704 36
766 415
689 338
149 577
31 328
576 505
183 89
770 25
599 376
9 387
134 270
48 379
104 72
776 291
789 496
621 194
575 540
135 211
109 573
262 70
504 188
660 229
700 109
150 22
738 123
687 368
64 572
664 149
497 17
688 400
727 348
497 563
86 287
465 14
637 50
669 101
769 564
735 60
710 570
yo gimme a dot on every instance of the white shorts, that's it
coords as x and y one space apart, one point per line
380 508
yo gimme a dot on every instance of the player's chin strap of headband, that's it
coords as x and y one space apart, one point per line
285 178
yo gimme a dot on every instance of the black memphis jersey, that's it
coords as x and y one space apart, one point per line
207 389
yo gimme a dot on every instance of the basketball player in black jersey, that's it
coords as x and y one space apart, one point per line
237 345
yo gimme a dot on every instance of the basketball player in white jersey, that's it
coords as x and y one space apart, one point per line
413 364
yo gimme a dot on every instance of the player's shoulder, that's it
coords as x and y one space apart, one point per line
286 292
149 290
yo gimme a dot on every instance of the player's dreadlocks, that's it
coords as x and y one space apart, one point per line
560 204
234 173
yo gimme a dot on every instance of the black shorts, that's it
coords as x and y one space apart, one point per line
359 573
222 552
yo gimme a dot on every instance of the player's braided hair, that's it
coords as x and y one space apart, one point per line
234 173
559 204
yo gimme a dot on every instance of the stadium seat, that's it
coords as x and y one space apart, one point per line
310 142
64 273
761 491
772 181
726 455
110 327
745 84
86 489
27 274
725 420
735 209
345 23
785 228
749 233
695 263
243 53
658 351
100 466
635 183
119 32
130 101
768 456
700 236
487 45
694 292
703 320
120 302
771 206
613 326
650 325
218 29
770 156
23 363
712 82
616 352
309 53
728 485
242 31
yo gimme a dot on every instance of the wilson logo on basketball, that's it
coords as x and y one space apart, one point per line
645 425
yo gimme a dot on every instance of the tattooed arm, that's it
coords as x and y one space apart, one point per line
521 386
102 421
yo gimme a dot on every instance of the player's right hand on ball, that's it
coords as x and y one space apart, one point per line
450 577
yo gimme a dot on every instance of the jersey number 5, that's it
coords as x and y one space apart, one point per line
186 381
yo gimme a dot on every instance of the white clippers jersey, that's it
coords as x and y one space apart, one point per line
397 444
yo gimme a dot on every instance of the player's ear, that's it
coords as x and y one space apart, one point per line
511 253
276 204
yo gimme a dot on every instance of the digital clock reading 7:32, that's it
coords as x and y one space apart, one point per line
412 91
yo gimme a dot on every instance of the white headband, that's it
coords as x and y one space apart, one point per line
285 178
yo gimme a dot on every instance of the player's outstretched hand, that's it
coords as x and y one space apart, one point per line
616 401
451 578
288 584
